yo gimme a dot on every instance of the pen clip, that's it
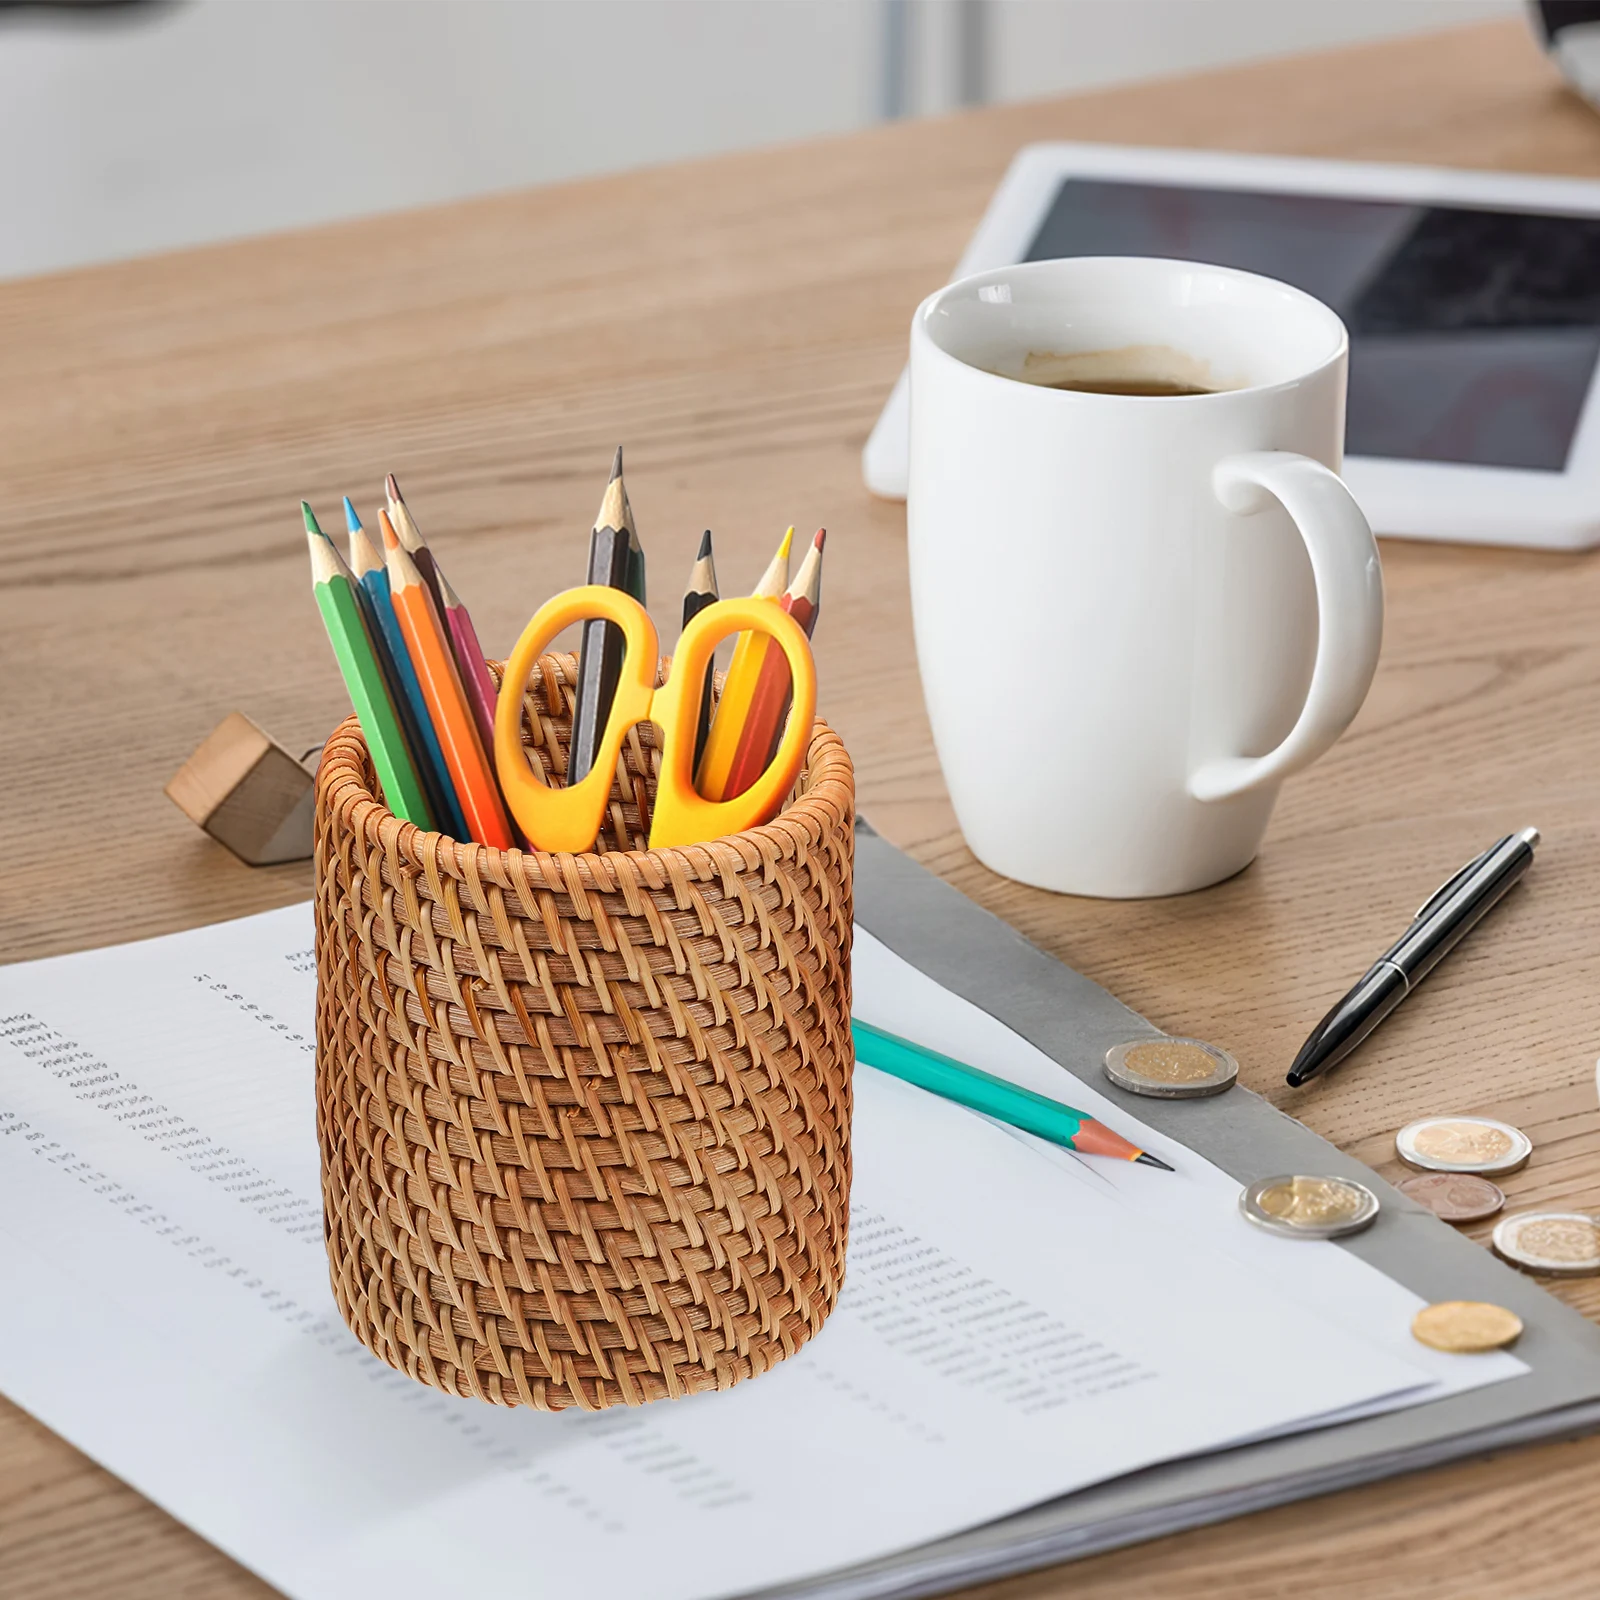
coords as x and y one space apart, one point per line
1454 881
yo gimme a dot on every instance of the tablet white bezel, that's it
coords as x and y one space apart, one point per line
1408 499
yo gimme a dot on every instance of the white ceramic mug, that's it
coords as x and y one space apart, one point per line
1135 615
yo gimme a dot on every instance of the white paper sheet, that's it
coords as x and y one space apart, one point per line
1016 1323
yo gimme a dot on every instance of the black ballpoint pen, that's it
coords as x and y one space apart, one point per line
1452 912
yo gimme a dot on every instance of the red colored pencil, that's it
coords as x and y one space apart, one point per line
769 704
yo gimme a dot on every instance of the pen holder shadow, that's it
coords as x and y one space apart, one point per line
584 1119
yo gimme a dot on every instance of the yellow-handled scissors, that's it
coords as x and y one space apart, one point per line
569 819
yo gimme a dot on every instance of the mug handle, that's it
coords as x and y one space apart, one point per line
1349 580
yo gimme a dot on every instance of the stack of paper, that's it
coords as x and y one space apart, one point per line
1016 1322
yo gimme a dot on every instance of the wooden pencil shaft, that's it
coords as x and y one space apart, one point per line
482 694
694 602
470 662
369 694
404 713
727 723
410 537
702 592
763 720
805 613
426 639
955 1080
431 765
600 654
774 692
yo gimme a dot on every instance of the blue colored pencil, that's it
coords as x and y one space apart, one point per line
372 585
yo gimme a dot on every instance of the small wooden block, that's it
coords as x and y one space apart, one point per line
248 793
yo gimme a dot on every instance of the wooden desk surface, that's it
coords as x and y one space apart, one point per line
738 324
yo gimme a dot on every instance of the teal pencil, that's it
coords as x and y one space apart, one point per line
994 1097
372 588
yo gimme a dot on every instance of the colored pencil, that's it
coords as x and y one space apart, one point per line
769 704
335 591
411 540
711 776
429 647
702 592
476 680
372 585
615 559
994 1097
464 646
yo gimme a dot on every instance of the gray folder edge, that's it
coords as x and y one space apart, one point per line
1074 1021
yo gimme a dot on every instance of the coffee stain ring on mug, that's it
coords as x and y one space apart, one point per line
1169 1068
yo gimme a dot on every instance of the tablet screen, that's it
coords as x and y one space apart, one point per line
1473 333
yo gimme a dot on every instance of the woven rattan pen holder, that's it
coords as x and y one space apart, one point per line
584 1119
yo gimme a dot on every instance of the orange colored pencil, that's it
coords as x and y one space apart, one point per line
769 703
722 743
429 647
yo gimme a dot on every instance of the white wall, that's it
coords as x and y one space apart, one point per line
147 128
1048 48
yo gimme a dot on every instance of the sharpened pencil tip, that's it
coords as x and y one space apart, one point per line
311 519
616 467
391 540
1153 1161
352 522
783 549
705 546
820 540
391 491
325 564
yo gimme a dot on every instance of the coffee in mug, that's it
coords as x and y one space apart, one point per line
1149 370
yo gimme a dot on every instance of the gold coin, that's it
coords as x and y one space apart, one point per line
1463 1144
1308 1206
1312 1200
1465 1326
1560 1244
1170 1068
1171 1061
1462 1141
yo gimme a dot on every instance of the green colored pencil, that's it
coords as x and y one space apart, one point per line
334 588
994 1097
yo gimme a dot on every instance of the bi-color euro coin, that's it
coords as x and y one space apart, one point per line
1304 1207
1558 1244
1466 1327
1171 1069
1463 1144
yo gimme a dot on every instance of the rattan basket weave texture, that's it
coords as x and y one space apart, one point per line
584 1118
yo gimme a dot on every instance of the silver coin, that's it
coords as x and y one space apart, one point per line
1166 1068
1558 1244
1302 1207
1463 1144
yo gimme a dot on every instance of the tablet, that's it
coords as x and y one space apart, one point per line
1472 300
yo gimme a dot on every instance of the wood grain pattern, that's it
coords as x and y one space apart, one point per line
738 323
